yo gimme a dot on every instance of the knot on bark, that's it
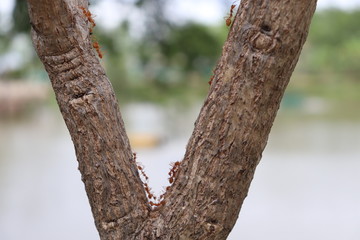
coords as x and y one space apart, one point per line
109 225
263 42
213 227
82 103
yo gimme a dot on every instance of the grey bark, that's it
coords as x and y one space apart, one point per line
258 58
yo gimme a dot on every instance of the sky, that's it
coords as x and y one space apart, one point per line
204 11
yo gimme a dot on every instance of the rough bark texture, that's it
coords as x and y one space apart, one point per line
230 133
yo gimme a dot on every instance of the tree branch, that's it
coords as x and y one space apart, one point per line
230 133
60 33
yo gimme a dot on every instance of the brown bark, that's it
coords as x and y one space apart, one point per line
230 133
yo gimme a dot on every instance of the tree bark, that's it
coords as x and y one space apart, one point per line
230 133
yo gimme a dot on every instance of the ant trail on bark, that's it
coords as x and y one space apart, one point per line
172 176
154 201
91 20
173 171
89 16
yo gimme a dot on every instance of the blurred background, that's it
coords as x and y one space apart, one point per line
159 56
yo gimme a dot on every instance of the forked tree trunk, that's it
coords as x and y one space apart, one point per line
230 133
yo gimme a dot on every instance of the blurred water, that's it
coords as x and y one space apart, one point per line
306 186
42 196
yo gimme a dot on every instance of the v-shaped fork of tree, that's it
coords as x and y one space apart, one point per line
230 134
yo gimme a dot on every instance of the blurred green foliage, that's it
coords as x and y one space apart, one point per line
161 69
172 62
329 65
20 17
334 43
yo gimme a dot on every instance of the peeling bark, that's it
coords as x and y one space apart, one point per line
230 133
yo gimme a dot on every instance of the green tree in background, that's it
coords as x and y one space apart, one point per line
171 60
20 17
334 44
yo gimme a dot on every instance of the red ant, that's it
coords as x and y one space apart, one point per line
142 172
161 197
228 20
157 204
148 192
173 171
211 79
88 14
96 45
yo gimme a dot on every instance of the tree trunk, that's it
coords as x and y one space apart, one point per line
230 133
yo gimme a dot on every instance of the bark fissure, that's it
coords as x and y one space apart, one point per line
229 135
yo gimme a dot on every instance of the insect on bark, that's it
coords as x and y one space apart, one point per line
228 20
